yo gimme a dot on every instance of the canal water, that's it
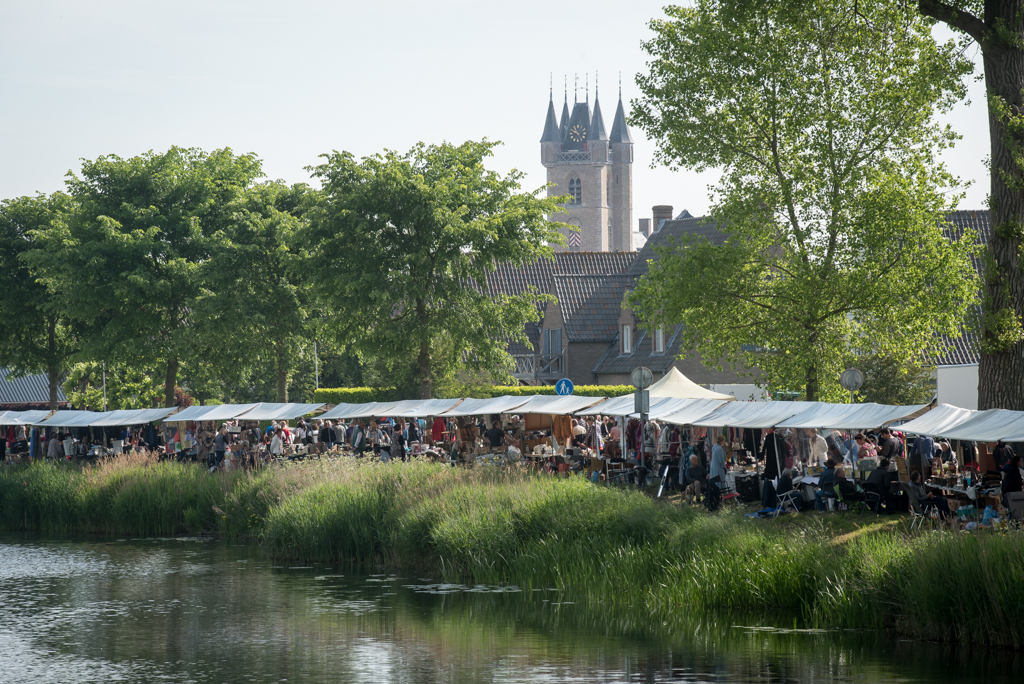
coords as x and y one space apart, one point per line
189 610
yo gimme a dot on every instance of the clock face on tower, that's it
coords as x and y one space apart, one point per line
577 133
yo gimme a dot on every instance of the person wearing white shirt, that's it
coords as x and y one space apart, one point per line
818 448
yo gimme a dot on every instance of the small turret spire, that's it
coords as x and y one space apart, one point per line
588 86
575 88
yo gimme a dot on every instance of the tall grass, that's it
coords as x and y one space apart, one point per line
619 551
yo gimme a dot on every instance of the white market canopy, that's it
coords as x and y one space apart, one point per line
491 406
210 413
753 414
420 408
556 405
269 411
346 411
71 419
851 416
688 411
988 426
937 421
616 406
676 385
131 417
22 417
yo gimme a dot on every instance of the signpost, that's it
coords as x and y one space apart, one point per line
564 387
642 378
852 380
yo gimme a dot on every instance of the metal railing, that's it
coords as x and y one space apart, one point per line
538 366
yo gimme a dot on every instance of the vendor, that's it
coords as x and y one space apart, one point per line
495 435
1011 476
848 488
695 479
825 484
926 497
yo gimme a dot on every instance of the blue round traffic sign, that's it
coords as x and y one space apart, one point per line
564 387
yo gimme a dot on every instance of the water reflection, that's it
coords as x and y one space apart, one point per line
200 611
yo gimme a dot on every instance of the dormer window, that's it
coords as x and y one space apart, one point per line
627 339
575 191
659 340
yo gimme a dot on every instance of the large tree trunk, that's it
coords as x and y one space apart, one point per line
1001 369
52 369
282 373
426 373
811 383
171 381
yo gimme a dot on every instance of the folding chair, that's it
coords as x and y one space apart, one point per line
790 497
918 511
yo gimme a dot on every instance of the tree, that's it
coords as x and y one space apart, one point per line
254 307
36 334
821 116
997 27
401 246
126 388
128 262
887 381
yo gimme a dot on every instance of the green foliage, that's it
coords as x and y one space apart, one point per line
821 115
127 264
889 381
127 388
400 247
37 333
353 395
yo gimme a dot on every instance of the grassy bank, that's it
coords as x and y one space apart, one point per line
619 549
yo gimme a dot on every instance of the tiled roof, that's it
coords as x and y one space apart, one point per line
510 278
963 350
31 389
674 230
591 305
643 354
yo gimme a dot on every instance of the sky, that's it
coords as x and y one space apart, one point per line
293 80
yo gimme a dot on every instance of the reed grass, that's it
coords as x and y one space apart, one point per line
616 550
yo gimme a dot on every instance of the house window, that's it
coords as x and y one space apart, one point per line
627 339
552 340
659 340
575 191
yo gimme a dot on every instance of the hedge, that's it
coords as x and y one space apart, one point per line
362 395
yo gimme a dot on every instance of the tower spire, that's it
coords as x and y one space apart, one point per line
575 88
588 87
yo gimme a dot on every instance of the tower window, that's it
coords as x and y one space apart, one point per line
575 191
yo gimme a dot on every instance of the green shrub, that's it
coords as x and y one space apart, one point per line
363 395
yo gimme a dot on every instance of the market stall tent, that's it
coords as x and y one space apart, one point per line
675 384
753 414
72 418
688 411
131 417
491 406
269 411
937 421
852 416
988 426
556 405
421 408
210 413
23 417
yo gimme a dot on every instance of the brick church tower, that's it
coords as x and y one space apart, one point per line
595 169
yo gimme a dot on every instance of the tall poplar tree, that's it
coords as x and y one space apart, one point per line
821 115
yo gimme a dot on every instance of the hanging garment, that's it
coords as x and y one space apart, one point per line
437 431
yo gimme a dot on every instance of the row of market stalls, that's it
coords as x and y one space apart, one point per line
674 399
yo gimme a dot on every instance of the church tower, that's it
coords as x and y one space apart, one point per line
595 169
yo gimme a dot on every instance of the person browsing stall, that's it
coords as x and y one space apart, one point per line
495 435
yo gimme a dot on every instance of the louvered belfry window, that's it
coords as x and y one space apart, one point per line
575 191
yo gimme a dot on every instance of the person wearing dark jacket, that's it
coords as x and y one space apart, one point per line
825 483
773 453
1011 476
878 481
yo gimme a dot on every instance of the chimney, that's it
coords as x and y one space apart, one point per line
662 213
645 227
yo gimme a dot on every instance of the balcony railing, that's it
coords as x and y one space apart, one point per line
538 367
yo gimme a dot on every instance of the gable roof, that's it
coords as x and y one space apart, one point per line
674 230
964 350
591 304
30 389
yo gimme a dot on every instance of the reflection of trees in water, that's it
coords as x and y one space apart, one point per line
218 612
